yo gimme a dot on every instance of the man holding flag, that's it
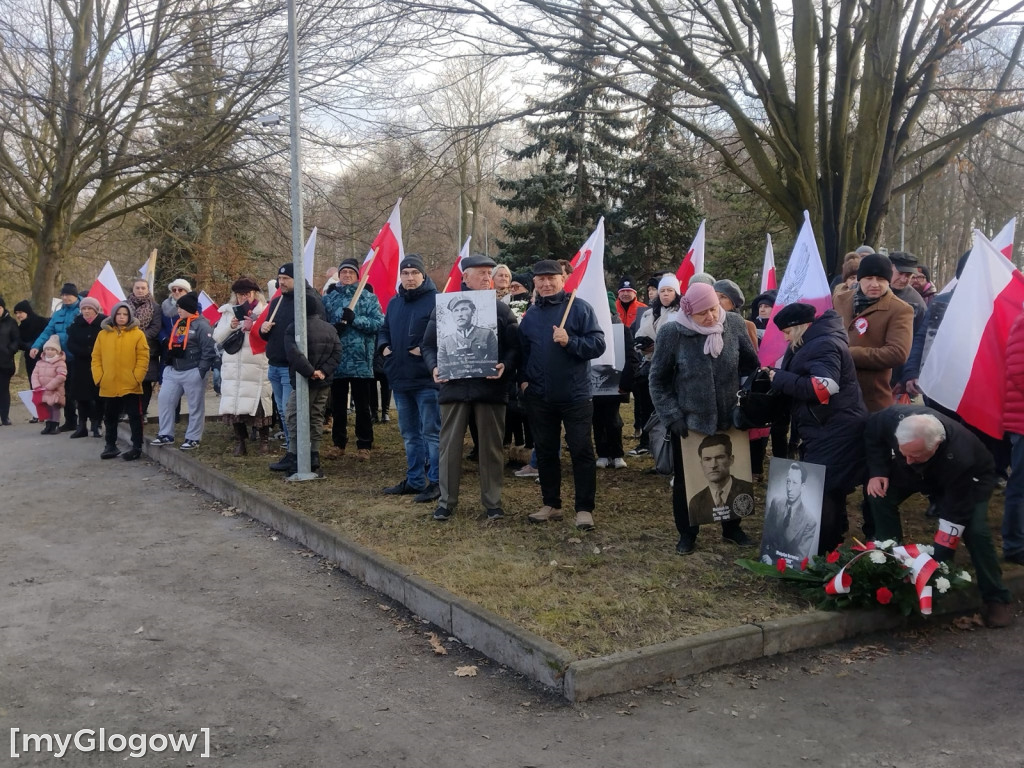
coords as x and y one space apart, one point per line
559 337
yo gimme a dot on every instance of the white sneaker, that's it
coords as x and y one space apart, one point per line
603 463
527 471
619 463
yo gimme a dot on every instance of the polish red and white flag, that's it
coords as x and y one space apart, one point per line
965 369
804 280
1002 242
106 290
693 261
768 280
454 281
383 268
208 308
587 280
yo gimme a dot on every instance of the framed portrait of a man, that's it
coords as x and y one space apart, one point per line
467 337
719 482
792 522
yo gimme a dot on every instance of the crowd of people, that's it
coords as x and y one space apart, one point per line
842 379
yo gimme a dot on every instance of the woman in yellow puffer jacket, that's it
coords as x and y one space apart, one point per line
120 359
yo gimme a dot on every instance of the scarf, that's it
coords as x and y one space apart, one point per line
862 302
141 308
179 334
714 343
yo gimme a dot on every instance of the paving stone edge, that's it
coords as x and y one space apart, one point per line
528 653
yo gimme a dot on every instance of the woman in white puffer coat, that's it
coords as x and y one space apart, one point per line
246 398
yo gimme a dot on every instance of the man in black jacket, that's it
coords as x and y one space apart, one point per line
281 317
555 380
913 449
484 398
317 366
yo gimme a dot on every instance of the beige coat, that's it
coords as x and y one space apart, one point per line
880 338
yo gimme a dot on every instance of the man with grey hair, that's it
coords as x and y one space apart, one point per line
913 449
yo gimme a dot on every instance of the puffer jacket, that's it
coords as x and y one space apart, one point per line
283 311
1013 407
651 323
51 375
405 321
555 373
691 387
828 410
323 350
120 357
59 324
8 342
358 338
479 390
199 352
29 329
243 376
81 339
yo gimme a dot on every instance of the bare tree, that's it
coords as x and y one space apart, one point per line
816 106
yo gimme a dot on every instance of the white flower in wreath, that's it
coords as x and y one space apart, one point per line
942 584
876 557
964 575
887 544
926 549
943 568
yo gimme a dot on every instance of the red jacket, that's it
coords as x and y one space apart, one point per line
628 314
1013 408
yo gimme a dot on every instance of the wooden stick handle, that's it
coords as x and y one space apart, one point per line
565 316
274 313
363 279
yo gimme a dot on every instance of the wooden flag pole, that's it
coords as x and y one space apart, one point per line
446 284
565 316
363 279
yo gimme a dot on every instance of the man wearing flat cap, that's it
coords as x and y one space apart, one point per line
481 396
555 381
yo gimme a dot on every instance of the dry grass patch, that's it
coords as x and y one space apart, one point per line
618 587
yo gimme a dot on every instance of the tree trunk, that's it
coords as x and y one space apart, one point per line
50 250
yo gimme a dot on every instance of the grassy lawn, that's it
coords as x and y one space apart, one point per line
618 587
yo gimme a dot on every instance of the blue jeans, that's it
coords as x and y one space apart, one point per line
282 388
1013 511
419 422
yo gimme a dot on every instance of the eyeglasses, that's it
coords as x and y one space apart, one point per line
178 290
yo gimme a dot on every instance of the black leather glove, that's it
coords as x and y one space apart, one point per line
347 316
678 427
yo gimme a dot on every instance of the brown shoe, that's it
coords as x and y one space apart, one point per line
363 454
544 514
240 449
584 521
996 615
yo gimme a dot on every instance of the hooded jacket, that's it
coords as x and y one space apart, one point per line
51 375
691 386
358 338
555 373
81 338
199 351
8 342
29 328
828 410
405 322
323 351
58 325
243 376
120 356
478 390
283 310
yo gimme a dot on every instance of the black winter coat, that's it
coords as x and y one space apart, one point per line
29 330
323 352
8 342
277 339
405 322
478 390
81 340
827 407
960 475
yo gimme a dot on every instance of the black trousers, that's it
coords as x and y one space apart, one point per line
680 502
383 405
360 389
5 395
546 421
608 427
113 407
642 408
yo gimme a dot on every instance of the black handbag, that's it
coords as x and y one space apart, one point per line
233 343
757 404
660 440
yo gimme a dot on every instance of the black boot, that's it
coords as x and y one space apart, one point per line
70 425
82 431
52 428
110 451
314 461
288 463
96 430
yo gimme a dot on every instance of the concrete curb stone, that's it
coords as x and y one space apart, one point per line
526 652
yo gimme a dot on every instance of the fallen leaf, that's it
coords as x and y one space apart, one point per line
969 623
467 671
139 631
435 643
574 540
597 550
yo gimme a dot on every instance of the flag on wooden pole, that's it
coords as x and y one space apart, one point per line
693 261
107 290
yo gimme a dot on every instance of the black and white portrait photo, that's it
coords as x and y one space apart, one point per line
792 523
718 476
467 339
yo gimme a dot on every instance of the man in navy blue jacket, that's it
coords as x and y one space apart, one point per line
555 380
412 383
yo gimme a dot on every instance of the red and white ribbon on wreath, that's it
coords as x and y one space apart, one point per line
921 565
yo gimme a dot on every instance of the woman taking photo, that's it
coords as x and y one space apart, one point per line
119 362
81 389
695 372
819 376
246 398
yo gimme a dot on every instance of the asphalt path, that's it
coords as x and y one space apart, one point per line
131 602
